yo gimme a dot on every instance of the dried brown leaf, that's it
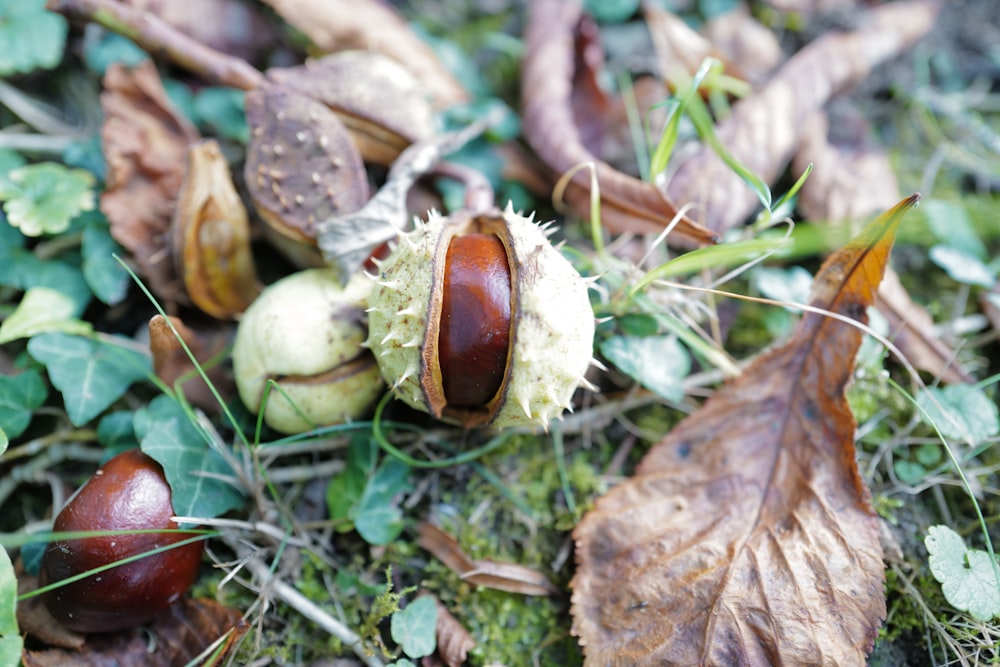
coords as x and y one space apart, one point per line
851 180
628 204
765 128
211 236
371 25
751 51
174 638
145 141
35 620
746 536
453 641
171 363
509 577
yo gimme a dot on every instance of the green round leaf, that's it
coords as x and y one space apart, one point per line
43 198
968 578
961 412
32 37
659 363
414 628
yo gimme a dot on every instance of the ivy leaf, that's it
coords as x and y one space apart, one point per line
193 469
116 432
961 266
90 374
659 363
965 412
366 495
968 578
222 109
20 396
32 37
414 628
43 198
105 276
10 636
43 309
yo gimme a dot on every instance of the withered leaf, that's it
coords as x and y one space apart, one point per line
144 142
171 363
453 641
746 536
764 128
852 179
211 236
371 25
501 576
628 204
177 636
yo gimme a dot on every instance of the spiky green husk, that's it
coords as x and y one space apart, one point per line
553 322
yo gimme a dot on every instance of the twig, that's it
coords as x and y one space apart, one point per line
293 598
156 36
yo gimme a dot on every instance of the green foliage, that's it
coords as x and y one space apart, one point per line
969 580
43 309
962 267
91 374
32 37
385 604
10 637
961 412
103 48
20 396
659 363
43 198
611 11
195 471
104 275
414 628
221 110
364 496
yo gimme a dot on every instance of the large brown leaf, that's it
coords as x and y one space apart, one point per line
746 537
549 69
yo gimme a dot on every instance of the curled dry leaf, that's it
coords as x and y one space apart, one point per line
381 103
746 536
764 128
371 25
508 577
627 204
453 641
212 236
145 141
302 165
175 637
853 179
171 363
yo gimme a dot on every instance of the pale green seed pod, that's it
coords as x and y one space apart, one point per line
306 332
551 322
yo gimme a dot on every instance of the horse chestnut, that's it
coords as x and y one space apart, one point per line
477 319
129 492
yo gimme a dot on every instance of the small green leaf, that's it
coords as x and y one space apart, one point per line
965 412
611 11
196 472
366 495
102 48
792 285
32 37
659 363
414 628
116 432
962 267
43 309
950 224
968 578
222 110
20 396
909 472
105 276
90 374
43 198
10 636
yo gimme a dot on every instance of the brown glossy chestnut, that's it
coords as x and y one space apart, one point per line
128 492
475 319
